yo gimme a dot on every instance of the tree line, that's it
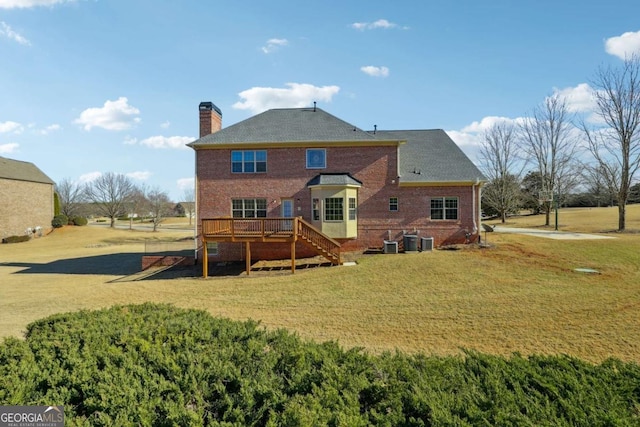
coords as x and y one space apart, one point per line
115 196
554 156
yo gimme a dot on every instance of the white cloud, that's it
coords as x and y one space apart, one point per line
89 177
375 71
165 125
486 123
7 127
623 46
167 141
139 175
296 95
8 148
274 44
469 138
579 99
129 140
25 4
380 23
186 183
7 31
50 128
114 115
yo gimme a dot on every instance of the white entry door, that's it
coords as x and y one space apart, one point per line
287 208
287 212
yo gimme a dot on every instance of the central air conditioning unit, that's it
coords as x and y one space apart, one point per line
426 244
390 247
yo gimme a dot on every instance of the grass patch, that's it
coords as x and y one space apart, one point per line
522 295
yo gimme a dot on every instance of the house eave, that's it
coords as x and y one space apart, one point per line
294 144
439 183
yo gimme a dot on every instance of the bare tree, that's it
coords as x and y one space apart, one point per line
137 204
503 167
159 205
189 203
547 140
110 192
616 146
601 188
70 195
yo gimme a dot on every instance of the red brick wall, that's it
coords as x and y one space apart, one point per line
287 177
164 260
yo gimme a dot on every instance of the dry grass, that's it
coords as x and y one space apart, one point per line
521 295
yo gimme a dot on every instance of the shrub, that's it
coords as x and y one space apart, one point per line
59 221
79 220
159 365
16 239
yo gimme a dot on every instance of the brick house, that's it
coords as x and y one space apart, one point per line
26 198
360 188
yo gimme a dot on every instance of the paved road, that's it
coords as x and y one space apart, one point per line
123 225
550 234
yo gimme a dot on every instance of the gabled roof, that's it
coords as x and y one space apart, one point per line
432 156
22 171
288 125
426 156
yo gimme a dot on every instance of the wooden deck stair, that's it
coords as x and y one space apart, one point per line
268 230
320 242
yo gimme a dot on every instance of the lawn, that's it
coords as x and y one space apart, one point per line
520 295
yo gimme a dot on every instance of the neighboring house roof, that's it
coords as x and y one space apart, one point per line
432 156
22 171
342 179
287 125
426 156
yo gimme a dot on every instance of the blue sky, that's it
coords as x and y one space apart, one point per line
95 86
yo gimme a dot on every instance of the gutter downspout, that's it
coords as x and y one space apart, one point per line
195 208
476 211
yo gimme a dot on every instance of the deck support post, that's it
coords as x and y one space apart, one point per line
248 257
293 257
205 259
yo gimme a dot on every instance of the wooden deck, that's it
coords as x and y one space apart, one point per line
267 230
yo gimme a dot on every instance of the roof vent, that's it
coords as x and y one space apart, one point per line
314 106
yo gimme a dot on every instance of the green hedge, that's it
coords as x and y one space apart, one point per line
79 220
160 365
16 239
59 221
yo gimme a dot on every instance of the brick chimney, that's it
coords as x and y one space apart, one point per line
210 118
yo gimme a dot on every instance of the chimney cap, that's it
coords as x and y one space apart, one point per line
208 105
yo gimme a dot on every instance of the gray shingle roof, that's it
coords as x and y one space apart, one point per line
432 156
22 171
428 156
287 125
333 179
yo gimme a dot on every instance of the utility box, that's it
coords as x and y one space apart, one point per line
390 247
410 242
426 244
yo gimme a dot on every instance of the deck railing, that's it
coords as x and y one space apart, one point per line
271 228
318 239
247 227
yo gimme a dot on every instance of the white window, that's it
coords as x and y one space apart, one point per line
352 209
316 158
316 210
393 204
212 248
249 208
443 208
249 161
333 209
